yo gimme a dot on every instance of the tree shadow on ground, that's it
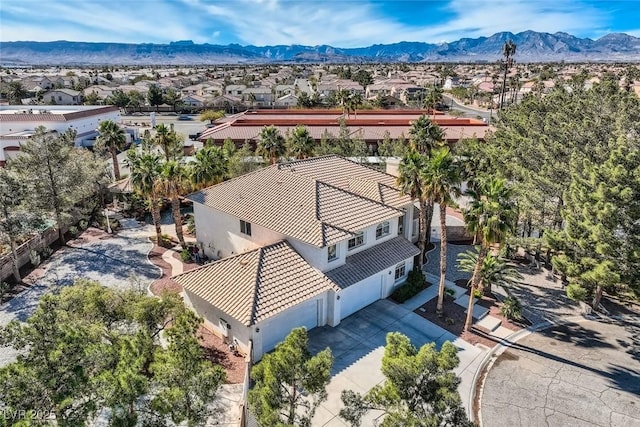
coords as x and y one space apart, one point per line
576 334
622 378
631 345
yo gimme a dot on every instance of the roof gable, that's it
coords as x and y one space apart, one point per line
258 284
304 203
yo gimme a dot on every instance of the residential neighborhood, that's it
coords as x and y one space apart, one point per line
271 231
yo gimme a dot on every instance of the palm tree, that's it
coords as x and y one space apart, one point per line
434 97
168 141
491 217
271 144
508 50
342 98
173 182
300 144
425 135
441 179
210 167
494 270
113 139
354 102
146 168
252 99
410 182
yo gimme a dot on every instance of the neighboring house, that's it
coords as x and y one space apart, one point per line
18 124
378 89
258 97
195 101
197 89
409 92
287 101
228 103
62 97
36 83
234 90
305 243
282 90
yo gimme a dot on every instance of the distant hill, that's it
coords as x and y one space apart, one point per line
531 47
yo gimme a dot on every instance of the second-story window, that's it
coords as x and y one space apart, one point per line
245 227
332 253
357 240
382 229
401 225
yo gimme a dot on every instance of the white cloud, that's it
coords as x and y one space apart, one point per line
262 22
352 24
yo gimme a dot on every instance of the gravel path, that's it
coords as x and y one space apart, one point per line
119 261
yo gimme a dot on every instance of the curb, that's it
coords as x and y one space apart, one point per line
490 358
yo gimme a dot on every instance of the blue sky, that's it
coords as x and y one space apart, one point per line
340 23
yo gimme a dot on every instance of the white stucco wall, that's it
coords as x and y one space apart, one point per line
220 233
367 291
280 325
82 126
212 317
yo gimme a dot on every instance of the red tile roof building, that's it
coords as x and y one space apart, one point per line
369 125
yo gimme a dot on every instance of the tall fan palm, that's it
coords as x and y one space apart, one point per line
271 144
425 135
441 180
410 182
172 183
490 216
353 103
434 96
494 271
210 167
168 141
508 50
342 99
112 139
145 173
300 144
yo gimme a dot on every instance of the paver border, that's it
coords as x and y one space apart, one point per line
155 266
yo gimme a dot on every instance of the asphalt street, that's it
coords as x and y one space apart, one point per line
579 374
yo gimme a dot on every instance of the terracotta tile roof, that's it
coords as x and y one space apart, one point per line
367 133
364 264
309 200
258 284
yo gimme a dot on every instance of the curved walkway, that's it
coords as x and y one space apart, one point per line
576 374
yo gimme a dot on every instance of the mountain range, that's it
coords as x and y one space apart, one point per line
532 46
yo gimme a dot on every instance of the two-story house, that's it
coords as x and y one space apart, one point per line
305 243
63 97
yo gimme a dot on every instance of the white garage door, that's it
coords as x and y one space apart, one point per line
305 314
360 295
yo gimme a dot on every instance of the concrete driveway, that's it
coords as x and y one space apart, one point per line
577 374
358 343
